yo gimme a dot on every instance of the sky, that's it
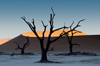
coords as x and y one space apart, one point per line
67 11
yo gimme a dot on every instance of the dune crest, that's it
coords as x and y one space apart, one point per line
55 34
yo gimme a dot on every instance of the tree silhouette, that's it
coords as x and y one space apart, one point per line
24 46
70 38
44 50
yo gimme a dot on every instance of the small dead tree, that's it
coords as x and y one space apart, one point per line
70 38
24 46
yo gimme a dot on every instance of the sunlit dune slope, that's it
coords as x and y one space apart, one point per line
4 40
55 34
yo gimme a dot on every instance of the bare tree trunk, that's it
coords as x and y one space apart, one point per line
22 51
71 48
44 56
70 44
44 52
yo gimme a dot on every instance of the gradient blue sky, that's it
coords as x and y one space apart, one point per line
11 25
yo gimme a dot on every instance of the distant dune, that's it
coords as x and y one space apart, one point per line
88 43
55 34
4 40
31 34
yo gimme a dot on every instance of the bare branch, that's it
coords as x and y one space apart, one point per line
44 25
51 23
27 45
27 38
24 18
71 25
53 12
33 22
44 30
65 33
33 28
80 21
77 31
17 45
56 38
60 34
77 24
51 20
60 28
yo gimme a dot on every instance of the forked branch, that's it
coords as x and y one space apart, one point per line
24 46
77 24
18 47
45 26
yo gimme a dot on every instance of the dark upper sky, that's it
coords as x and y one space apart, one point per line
11 25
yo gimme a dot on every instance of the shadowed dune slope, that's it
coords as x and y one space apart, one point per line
55 34
89 43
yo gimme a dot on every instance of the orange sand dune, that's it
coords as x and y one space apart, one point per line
88 43
55 34
4 40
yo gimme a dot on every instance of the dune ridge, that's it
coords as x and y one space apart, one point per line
55 34
31 34
88 43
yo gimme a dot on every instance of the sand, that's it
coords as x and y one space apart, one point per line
4 40
55 34
29 60
89 43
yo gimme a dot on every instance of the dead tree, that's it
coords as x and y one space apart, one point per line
70 38
44 50
24 46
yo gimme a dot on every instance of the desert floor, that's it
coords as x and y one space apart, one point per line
29 60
